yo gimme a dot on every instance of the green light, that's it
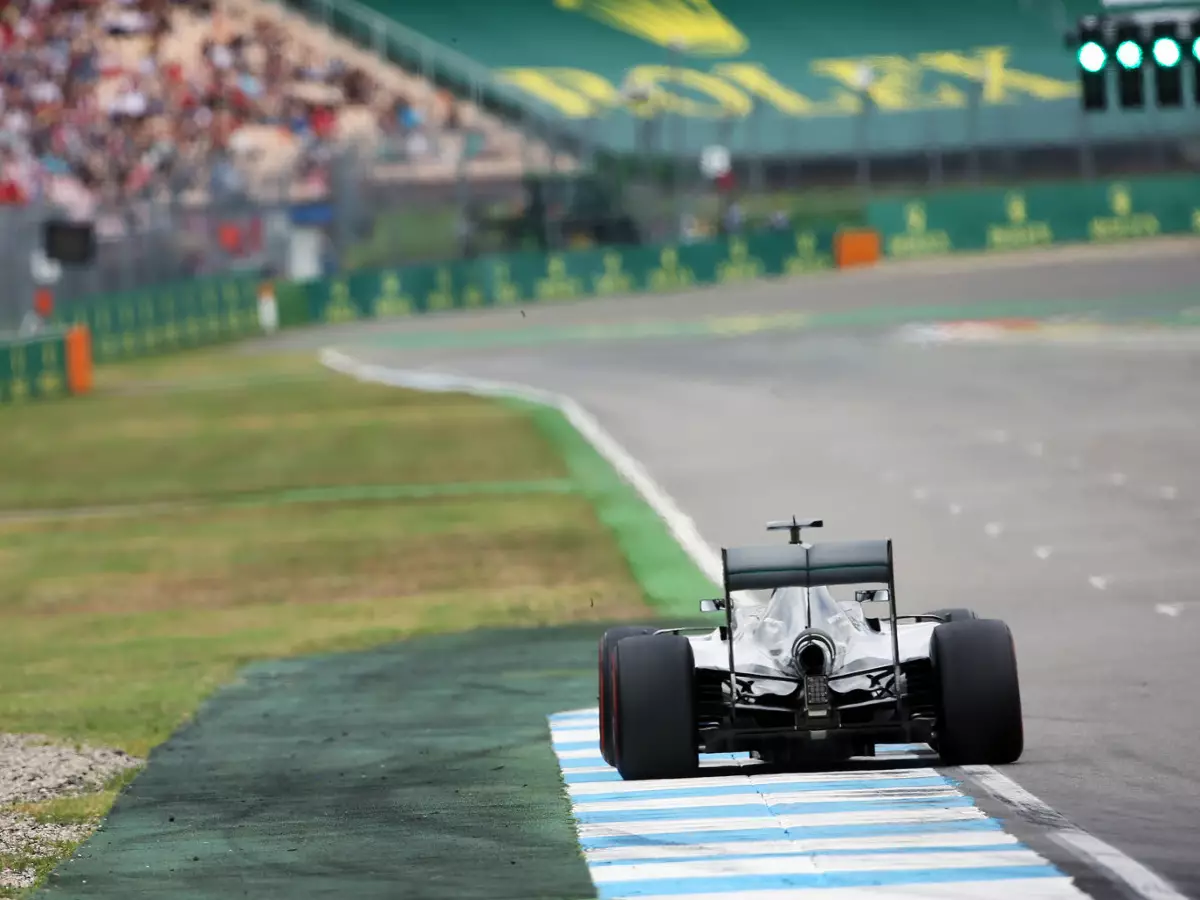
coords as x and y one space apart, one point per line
1166 52
1092 57
1129 54
1196 48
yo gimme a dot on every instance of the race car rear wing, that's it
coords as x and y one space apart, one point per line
809 565
798 565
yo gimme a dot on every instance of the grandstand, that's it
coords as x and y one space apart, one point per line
437 108
104 102
108 100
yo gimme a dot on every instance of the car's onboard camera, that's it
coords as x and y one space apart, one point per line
805 677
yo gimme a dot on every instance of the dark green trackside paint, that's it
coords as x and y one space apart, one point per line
423 770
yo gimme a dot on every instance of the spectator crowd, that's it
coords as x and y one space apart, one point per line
106 102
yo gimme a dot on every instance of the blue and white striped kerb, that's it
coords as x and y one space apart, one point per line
852 835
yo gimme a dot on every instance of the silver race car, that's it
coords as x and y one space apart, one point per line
804 676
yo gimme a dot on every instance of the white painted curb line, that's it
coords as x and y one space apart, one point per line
1139 879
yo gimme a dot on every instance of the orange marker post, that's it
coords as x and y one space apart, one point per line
79 359
855 247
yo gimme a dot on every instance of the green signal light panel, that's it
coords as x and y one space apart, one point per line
1092 57
1129 54
1166 52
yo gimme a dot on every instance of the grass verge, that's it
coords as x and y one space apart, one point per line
117 627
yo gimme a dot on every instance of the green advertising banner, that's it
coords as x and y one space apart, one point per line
33 368
192 314
1020 218
521 278
167 318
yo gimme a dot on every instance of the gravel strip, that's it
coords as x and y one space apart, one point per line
24 837
33 768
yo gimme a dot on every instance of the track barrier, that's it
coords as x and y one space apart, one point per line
195 313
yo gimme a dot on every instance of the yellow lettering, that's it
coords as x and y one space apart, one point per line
1124 223
727 99
806 258
20 384
558 285
1012 237
212 307
544 84
1119 228
1196 220
755 79
392 301
340 309
442 296
595 87
908 245
503 289
740 266
989 66
670 276
916 239
472 296
614 280
691 26
899 83
107 344
1017 232
49 381
896 83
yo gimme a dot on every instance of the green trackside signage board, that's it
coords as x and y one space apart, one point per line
166 318
192 314
1036 215
203 312
33 368
784 76
547 278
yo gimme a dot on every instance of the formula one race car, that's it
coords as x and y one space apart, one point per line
805 679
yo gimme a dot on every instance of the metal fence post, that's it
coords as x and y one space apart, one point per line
974 138
863 140
1087 156
933 150
21 232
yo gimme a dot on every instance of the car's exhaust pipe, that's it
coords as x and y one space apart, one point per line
814 653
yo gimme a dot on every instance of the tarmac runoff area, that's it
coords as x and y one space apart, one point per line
1052 485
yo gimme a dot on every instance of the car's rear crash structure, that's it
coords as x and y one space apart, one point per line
801 678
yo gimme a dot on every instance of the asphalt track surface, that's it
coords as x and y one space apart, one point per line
1056 487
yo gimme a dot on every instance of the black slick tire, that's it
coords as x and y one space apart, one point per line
979 695
608 649
654 709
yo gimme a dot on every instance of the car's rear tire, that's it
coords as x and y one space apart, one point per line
955 614
979 694
655 712
608 648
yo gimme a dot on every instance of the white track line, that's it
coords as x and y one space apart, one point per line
1128 870
1133 874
